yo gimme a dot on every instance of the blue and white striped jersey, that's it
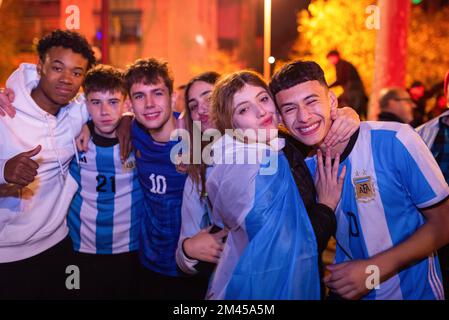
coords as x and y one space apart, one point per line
391 175
104 216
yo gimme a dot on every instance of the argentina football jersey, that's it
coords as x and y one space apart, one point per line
391 176
163 188
104 216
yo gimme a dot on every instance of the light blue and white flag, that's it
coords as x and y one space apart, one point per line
271 251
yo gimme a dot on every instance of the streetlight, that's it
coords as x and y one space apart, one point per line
267 40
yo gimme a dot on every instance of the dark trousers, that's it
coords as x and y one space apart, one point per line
156 286
40 277
108 276
443 257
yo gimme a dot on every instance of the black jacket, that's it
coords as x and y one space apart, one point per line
388 116
322 217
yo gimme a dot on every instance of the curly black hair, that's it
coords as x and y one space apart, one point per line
67 39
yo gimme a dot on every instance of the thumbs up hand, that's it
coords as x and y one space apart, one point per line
21 169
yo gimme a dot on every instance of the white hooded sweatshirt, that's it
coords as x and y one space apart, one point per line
32 219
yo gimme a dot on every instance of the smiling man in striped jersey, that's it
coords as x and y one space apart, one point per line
394 209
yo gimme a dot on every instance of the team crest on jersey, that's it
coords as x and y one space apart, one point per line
138 154
364 187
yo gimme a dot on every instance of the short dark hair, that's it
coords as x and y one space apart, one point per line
104 78
69 40
149 71
294 73
333 53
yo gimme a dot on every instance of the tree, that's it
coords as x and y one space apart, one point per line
341 24
336 24
428 46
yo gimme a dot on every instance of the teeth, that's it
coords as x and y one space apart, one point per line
308 129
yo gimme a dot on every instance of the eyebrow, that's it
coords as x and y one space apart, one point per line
201 95
136 93
205 92
60 62
260 93
152 90
313 95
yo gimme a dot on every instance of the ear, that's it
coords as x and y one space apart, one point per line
39 67
333 101
174 97
127 105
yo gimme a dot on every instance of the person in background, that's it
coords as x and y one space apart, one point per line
420 95
395 105
439 107
349 79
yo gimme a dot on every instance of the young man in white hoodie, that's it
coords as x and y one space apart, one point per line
36 148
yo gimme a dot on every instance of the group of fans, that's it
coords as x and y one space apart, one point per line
114 182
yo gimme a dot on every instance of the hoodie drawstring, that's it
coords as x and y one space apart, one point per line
72 131
52 137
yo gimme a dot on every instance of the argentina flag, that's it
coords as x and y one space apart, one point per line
271 251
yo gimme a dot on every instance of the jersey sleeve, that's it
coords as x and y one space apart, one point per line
191 212
419 171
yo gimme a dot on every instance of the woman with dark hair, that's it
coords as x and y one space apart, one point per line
200 244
